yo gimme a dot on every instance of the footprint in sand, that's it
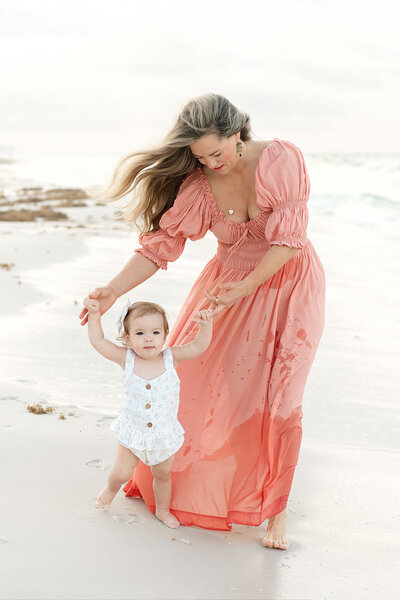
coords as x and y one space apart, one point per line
129 519
9 397
96 463
87 520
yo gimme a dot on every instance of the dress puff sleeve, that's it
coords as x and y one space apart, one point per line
189 217
283 188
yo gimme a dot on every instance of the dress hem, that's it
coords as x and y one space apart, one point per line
213 522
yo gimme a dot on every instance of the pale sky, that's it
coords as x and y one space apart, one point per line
82 76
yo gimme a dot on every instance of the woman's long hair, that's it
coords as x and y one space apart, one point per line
154 176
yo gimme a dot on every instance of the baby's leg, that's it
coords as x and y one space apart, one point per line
124 465
162 486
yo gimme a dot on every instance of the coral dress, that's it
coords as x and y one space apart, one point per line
241 401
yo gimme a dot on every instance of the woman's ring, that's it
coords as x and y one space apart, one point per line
216 300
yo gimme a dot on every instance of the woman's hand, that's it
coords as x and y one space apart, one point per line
105 297
226 294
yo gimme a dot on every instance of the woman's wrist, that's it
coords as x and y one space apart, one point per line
113 290
248 286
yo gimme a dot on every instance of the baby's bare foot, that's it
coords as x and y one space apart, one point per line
105 498
276 532
168 519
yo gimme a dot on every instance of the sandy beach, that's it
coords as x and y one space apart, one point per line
343 509
65 548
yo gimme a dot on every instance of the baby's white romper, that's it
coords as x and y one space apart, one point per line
148 422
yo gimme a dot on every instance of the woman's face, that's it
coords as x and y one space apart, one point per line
217 153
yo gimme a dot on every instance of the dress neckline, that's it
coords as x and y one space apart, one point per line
212 197
154 378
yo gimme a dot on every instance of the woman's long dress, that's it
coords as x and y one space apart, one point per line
241 401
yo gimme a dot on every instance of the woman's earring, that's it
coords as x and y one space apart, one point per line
239 148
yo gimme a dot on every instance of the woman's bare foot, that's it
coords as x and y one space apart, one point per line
105 498
276 532
168 519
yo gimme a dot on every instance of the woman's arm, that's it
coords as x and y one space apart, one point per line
137 269
271 262
189 217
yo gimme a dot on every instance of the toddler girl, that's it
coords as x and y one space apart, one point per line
147 428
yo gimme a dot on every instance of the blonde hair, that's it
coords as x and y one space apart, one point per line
139 309
154 176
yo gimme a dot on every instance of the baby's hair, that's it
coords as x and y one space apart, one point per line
139 309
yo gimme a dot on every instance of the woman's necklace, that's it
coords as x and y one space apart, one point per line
230 210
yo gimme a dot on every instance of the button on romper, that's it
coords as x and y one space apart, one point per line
148 424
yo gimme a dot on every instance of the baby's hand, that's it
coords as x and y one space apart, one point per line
92 306
204 317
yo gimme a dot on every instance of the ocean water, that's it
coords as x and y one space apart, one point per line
362 189
352 393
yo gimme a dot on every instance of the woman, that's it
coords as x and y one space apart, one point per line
241 401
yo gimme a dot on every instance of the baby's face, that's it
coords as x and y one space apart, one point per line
147 335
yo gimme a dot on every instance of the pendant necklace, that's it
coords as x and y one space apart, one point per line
230 210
